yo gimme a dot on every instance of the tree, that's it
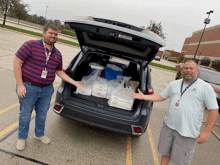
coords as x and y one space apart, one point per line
19 10
5 6
156 28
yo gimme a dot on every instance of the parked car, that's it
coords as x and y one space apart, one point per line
179 66
157 58
101 40
213 78
209 75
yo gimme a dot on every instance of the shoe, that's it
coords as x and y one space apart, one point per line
20 145
44 139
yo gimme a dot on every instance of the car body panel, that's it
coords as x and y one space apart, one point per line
116 36
115 122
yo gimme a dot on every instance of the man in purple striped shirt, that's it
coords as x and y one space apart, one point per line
35 65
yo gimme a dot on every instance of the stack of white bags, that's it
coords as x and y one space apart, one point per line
121 98
113 90
112 85
100 87
87 81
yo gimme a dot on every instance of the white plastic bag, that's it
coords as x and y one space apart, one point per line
113 84
114 67
96 66
100 87
87 81
122 98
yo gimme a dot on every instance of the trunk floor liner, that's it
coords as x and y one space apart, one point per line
99 102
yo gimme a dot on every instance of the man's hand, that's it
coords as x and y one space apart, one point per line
21 91
138 95
202 137
78 84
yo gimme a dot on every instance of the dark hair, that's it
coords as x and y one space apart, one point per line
50 26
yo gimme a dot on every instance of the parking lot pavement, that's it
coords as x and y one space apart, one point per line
77 143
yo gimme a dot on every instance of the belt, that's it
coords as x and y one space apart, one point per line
39 85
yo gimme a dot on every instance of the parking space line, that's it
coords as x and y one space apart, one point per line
153 150
15 125
11 127
128 151
8 108
15 105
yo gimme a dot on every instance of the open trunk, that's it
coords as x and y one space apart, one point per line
131 69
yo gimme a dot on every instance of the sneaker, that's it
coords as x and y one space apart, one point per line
44 139
20 145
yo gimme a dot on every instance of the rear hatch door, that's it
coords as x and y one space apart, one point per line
117 37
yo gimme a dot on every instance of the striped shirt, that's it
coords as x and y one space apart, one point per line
32 53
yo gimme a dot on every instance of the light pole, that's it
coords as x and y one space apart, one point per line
46 12
207 21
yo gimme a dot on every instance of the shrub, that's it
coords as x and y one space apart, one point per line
205 60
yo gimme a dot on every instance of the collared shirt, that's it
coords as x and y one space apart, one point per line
32 53
187 118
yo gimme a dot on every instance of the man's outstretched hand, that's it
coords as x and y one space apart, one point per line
78 84
138 95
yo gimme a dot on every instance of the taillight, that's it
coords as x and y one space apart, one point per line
57 107
137 129
150 92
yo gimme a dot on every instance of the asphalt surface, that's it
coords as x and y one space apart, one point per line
74 142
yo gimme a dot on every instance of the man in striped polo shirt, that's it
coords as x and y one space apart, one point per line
35 65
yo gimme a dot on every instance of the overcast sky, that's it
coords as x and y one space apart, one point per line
179 19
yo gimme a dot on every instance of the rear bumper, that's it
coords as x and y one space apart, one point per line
112 123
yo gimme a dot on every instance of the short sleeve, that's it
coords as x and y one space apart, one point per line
210 97
60 65
166 93
25 51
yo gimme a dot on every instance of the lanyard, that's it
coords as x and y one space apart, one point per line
47 54
181 89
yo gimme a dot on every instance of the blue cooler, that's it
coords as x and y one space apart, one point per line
112 70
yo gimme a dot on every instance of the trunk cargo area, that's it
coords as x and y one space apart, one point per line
130 69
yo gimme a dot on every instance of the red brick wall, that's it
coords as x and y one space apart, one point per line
210 34
206 49
174 54
160 53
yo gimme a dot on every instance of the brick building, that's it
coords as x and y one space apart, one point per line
172 55
209 45
160 53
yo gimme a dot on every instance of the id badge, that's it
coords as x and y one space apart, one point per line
177 104
44 74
